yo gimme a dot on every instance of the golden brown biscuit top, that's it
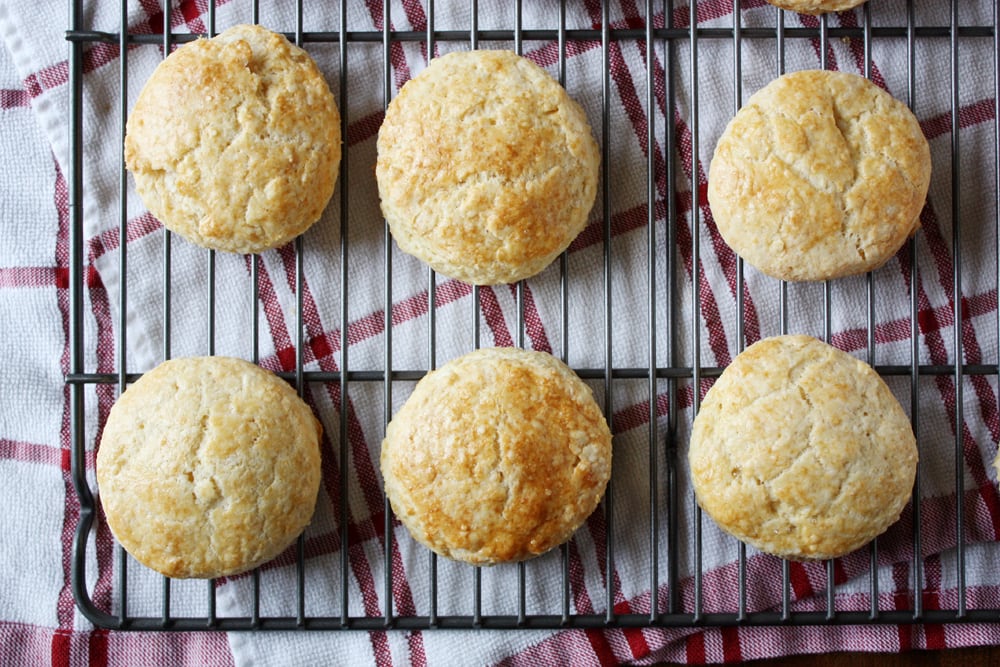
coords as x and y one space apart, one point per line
801 450
208 466
234 142
486 168
497 456
816 7
820 175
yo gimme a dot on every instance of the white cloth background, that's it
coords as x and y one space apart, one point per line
35 340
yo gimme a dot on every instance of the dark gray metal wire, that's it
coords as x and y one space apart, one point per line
122 574
609 403
519 325
956 240
477 574
651 289
300 387
741 554
917 566
167 236
165 620
255 621
344 451
824 47
779 31
670 320
996 156
870 324
576 34
387 90
563 317
432 558
695 291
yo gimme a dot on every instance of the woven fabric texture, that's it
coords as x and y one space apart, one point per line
344 296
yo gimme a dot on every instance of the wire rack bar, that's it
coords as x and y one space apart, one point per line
549 621
741 548
696 374
996 156
74 185
651 289
345 230
572 34
917 563
956 239
670 320
609 401
870 328
618 372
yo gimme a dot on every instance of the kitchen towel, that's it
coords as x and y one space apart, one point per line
613 311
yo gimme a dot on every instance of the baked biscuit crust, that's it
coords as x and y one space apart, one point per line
820 175
487 170
801 450
499 455
234 142
208 466
996 464
816 7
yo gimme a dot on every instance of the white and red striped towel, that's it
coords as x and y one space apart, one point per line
38 621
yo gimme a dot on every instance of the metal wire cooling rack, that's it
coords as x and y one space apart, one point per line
680 48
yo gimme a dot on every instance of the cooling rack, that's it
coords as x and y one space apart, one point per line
679 46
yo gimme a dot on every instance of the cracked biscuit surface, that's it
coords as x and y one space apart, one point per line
499 455
486 169
208 466
816 7
820 175
801 450
234 141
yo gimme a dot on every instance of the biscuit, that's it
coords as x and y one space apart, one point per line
487 170
801 450
820 175
816 7
499 455
996 464
208 466
234 141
